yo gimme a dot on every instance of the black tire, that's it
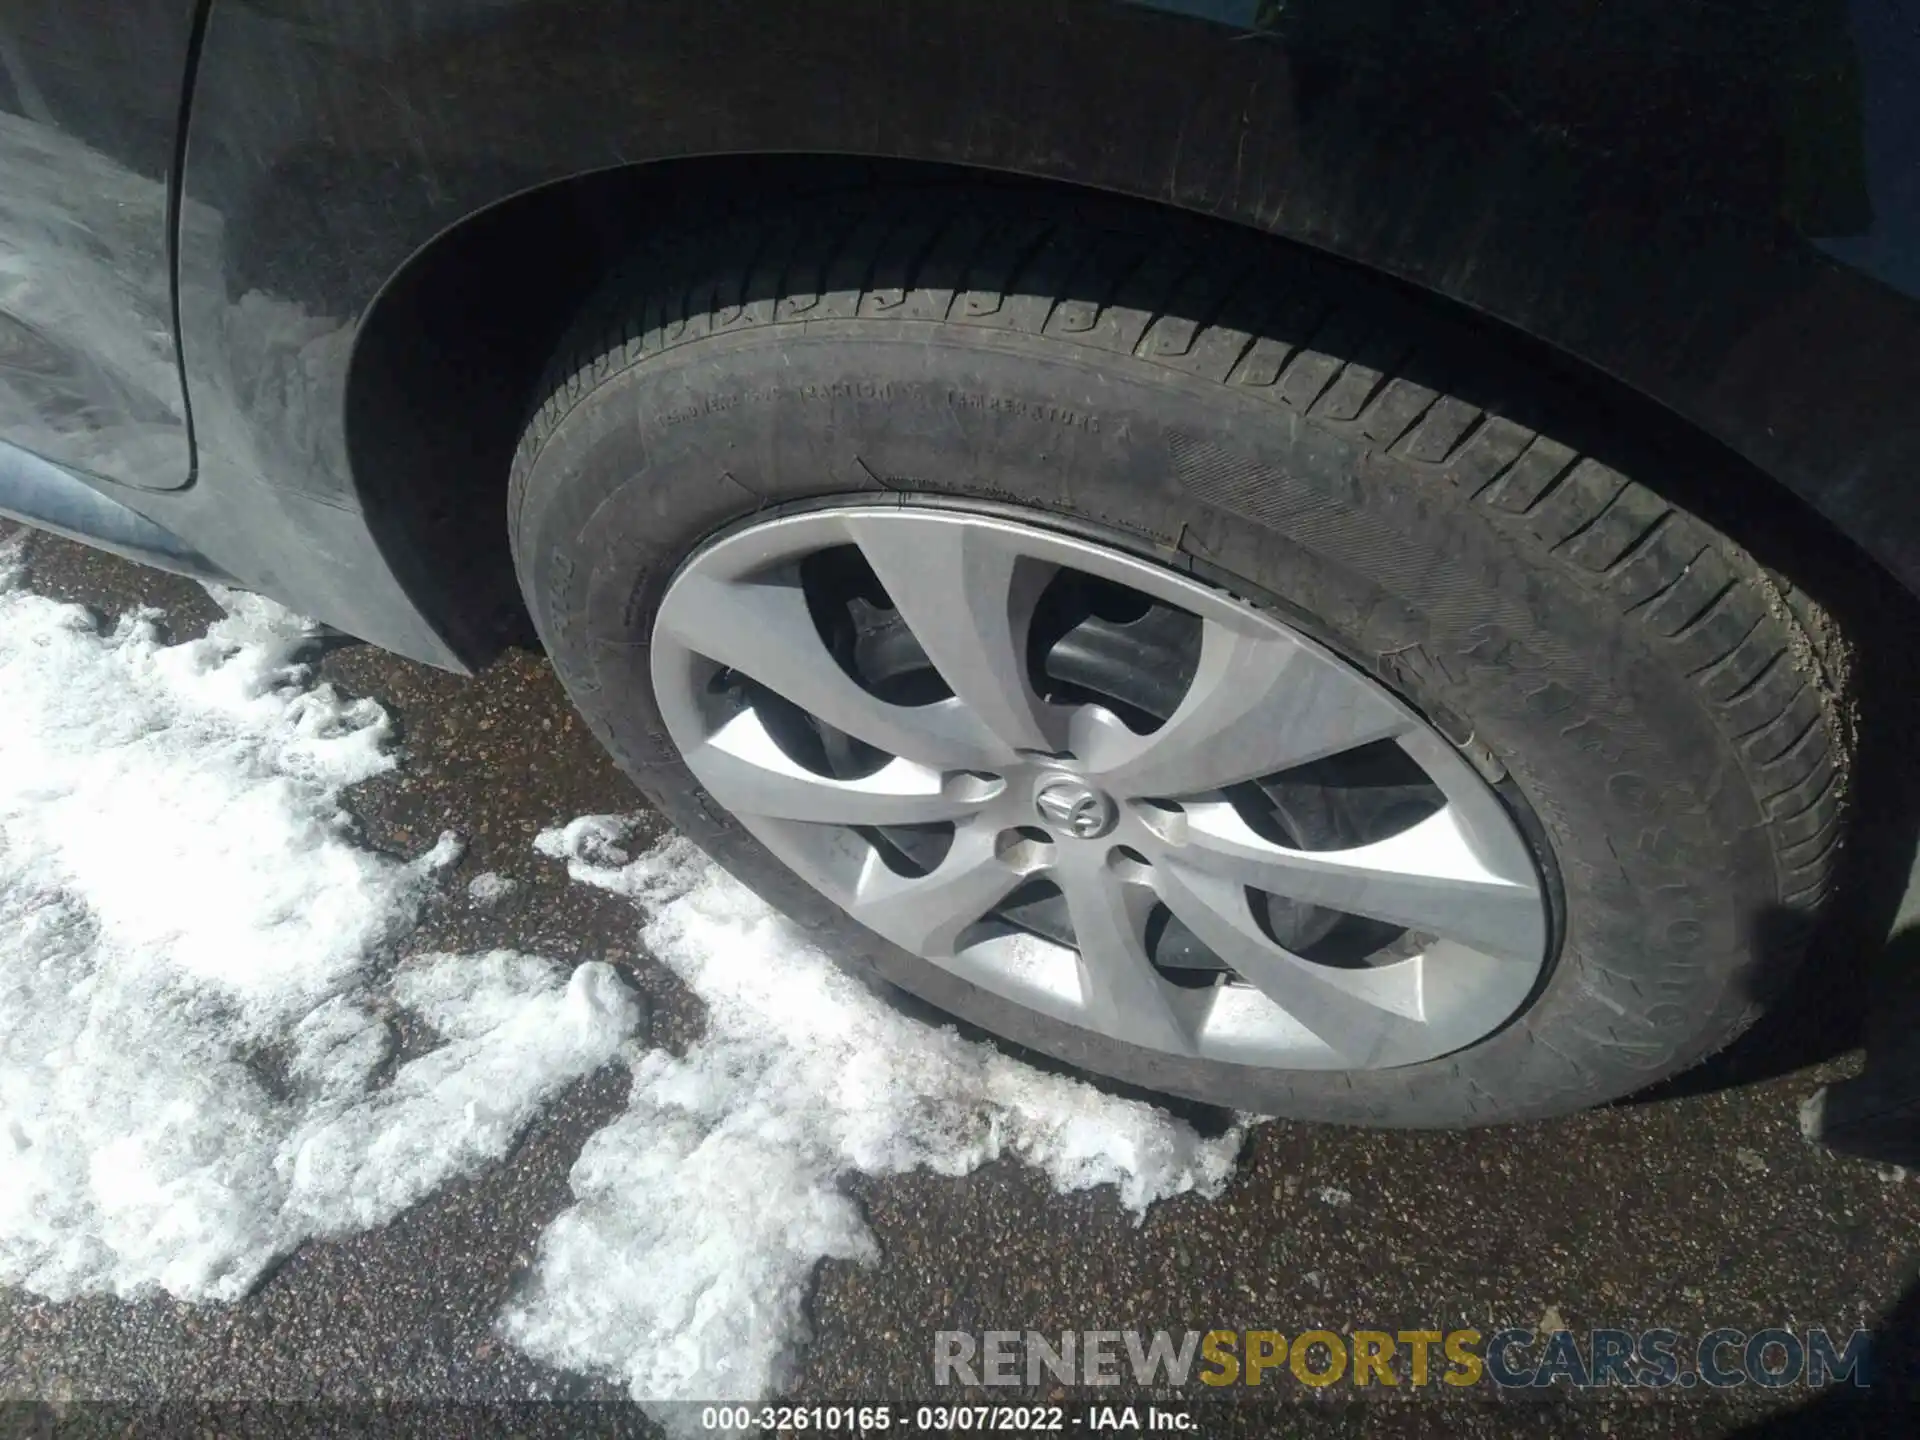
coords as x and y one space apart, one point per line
1451 518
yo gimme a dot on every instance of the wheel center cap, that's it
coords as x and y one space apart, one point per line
1075 807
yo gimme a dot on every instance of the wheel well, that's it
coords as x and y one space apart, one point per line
445 368
445 365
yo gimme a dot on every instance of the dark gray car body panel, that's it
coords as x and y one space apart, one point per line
1714 205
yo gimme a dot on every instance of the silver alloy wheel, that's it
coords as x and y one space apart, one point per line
1135 830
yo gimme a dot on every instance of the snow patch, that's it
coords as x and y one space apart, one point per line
684 1263
487 890
517 1029
197 1065
190 1038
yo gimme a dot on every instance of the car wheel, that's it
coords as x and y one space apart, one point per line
1180 655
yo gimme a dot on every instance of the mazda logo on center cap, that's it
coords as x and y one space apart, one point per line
1079 809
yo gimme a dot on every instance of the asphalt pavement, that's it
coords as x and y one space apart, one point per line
1687 1211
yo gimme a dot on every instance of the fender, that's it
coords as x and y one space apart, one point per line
1716 208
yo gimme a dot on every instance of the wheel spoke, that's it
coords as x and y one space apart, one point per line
927 914
1366 1016
993 759
1123 992
763 630
968 594
1260 702
746 770
1428 878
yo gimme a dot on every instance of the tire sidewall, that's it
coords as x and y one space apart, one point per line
1654 837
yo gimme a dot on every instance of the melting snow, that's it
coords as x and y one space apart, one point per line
182 914
488 890
196 1067
684 1263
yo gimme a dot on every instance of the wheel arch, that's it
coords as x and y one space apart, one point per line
439 386
1629 187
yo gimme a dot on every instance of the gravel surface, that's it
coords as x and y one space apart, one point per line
1689 1211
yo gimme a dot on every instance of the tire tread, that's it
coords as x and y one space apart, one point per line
1361 360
